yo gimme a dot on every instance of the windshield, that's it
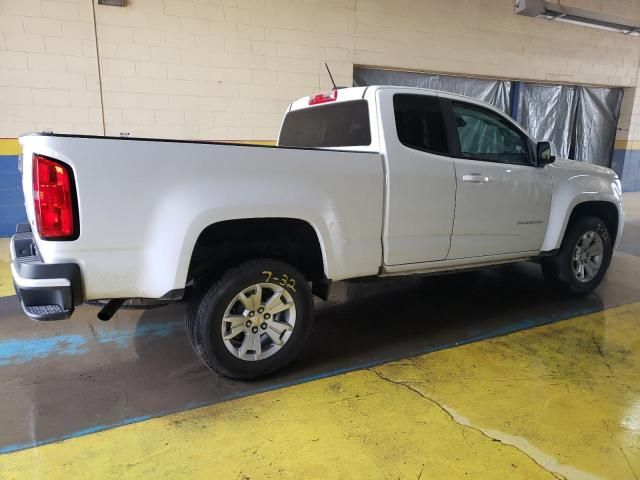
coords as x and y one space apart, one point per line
344 124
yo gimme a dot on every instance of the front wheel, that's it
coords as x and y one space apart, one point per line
583 259
253 320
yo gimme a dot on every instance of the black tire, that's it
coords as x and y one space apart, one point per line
558 270
205 318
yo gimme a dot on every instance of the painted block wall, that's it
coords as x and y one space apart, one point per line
48 67
227 69
626 163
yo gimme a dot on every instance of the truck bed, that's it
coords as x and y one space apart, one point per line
142 204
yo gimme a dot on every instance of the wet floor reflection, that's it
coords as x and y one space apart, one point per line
141 364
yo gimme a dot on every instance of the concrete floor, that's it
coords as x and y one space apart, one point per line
364 400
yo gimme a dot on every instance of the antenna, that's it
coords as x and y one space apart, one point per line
330 76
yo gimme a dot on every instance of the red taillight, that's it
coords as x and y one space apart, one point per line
53 198
324 97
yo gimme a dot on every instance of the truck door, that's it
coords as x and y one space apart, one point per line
502 199
420 178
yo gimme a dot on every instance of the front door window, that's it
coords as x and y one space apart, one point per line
488 136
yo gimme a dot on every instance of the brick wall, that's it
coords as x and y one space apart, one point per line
48 67
217 69
221 69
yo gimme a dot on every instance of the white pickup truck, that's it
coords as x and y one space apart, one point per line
372 181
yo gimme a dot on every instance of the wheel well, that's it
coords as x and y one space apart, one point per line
222 245
605 211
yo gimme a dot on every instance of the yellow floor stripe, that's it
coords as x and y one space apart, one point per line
556 401
6 285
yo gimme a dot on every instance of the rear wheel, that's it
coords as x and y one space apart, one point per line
583 259
253 320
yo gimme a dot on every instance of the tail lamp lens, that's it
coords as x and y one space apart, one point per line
53 198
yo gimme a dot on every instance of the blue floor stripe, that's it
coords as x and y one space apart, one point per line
15 351
496 332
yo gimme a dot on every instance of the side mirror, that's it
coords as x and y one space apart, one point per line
544 154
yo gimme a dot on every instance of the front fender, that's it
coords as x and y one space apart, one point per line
572 187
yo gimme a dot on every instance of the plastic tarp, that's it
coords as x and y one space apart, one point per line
596 122
548 112
495 92
579 121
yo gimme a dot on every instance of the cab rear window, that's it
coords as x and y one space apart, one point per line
343 124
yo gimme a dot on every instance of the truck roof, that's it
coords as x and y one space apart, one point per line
354 93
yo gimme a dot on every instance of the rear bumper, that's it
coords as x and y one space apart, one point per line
47 291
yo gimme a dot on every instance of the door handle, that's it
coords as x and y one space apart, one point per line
475 178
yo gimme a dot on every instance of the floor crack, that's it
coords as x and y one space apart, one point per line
613 438
601 353
464 425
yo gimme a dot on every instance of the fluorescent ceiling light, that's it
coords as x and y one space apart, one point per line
582 23
555 12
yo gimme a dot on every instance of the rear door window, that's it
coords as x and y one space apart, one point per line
343 124
420 122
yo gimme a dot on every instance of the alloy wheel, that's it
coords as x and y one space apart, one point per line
258 321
